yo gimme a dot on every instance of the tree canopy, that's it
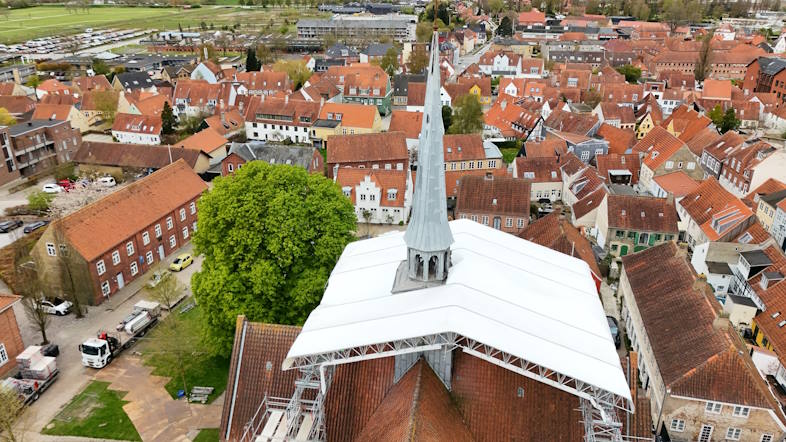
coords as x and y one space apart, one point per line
251 60
418 59
296 70
631 73
505 27
270 235
6 119
168 119
467 115
389 61
724 121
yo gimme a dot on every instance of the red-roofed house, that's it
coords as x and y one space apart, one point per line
208 141
676 185
62 112
711 213
380 196
385 151
664 153
506 121
544 175
499 202
628 224
619 168
531 17
10 339
137 129
620 140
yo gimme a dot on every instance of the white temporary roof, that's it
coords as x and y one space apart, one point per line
505 292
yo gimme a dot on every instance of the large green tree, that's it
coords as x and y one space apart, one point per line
169 123
505 27
270 235
389 61
467 115
418 59
631 73
724 121
251 60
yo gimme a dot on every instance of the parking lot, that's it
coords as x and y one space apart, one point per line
68 332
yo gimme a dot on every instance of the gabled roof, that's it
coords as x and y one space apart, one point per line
642 213
367 147
714 209
770 186
701 361
226 122
141 124
132 155
677 183
134 80
570 122
52 112
589 202
559 234
614 162
207 140
538 170
17 104
494 195
273 153
460 147
657 147
620 140
97 82
352 115
408 122
417 408
98 227
550 147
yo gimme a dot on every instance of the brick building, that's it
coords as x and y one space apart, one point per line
9 172
10 340
368 151
119 237
39 145
499 202
239 154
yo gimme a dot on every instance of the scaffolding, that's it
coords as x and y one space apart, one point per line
599 407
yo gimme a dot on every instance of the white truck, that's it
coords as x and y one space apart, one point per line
37 372
98 352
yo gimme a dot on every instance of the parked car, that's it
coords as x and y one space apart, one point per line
66 185
107 181
55 306
52 188
157 278
615 330
35 225
182 261
7 226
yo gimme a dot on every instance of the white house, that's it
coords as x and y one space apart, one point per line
380 196
137 129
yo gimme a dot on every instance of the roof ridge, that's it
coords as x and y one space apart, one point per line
415 400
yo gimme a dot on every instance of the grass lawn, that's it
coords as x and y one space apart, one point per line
207 435
95 412
41 21
202 370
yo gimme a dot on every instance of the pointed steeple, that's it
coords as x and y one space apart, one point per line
428 235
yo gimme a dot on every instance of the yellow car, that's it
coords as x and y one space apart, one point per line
182 261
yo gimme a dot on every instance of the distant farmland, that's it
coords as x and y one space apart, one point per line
42 21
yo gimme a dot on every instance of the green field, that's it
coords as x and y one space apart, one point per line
24 24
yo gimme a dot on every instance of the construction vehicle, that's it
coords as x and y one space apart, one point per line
37 372
98 352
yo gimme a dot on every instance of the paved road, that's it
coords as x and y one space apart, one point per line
609 299
468 59
68 332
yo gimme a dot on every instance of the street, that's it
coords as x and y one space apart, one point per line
68 332
610 306
474 57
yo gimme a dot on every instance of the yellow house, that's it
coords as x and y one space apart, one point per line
62 112
479 87
345 119
765 210
645 126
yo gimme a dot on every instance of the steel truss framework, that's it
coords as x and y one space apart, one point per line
599 407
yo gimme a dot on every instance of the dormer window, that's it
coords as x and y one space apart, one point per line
347 191
392 194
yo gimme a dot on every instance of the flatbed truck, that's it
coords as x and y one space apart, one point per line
99 351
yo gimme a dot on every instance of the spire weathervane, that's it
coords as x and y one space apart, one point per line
428 235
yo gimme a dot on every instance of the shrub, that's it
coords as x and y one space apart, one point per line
39 201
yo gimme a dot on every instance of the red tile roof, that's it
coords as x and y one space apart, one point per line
300 113
357 148
620 140
702 361
16 104
533 16
52 112
560 235
565 121
416 94
97 82
142 124
408 122
642 213
418 407
97 228
589 203
677 183
770 186
462 147
352 115
711 202
550 147
500 195
612 161
538 170
226 122
657 147
207 140
264 81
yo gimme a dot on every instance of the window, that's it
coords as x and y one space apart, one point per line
105 288
691 165
185 232
130 248
372 197
741 411
362 197
585 155
474 218
733 433
134 268
520 223
115 257
509 222
182 214
149 258
485 220
100 267
669 164
705 434
679 165
713 407
230 167
766 438
63 250
192 207
678 425
193 226
50 249
172 241
492 163
3 355
145 238
158 230
169 223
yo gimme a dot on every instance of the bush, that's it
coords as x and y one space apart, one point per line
65 171
39 201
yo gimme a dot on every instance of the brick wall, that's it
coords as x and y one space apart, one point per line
11 339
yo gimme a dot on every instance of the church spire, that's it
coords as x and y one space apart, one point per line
428 235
